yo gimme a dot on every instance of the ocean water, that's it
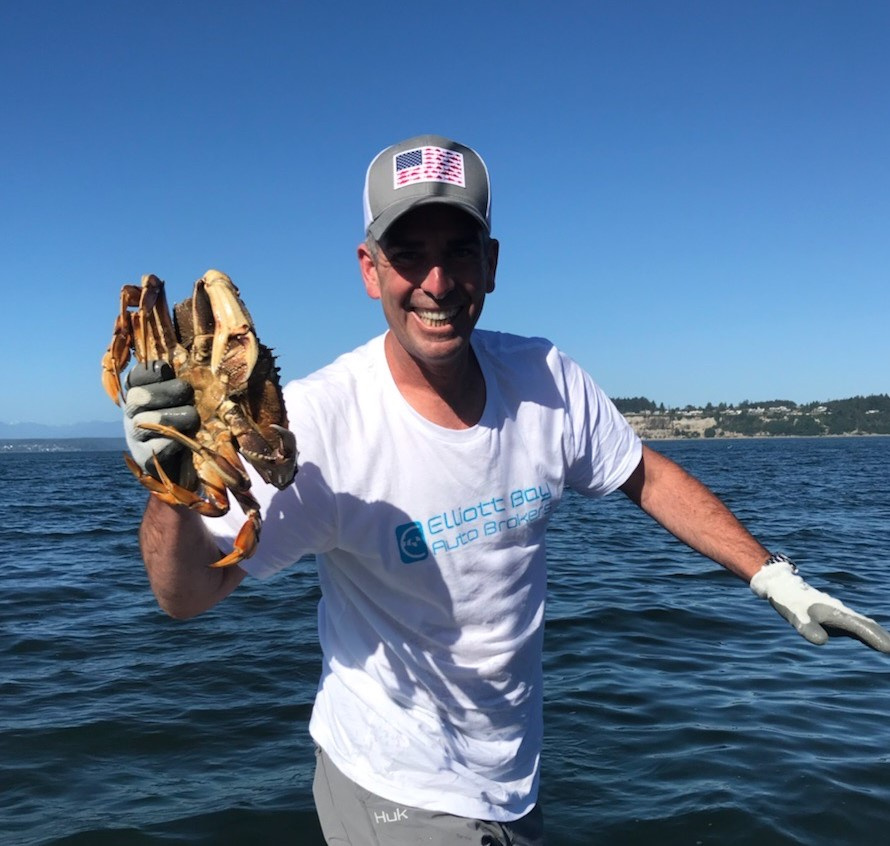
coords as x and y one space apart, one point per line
679 708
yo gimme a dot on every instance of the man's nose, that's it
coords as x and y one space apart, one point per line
437 282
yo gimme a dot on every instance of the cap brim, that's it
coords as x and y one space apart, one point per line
388 217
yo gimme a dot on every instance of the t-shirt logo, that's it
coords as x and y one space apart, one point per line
411 543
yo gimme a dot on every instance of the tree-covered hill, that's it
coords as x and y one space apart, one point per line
869 415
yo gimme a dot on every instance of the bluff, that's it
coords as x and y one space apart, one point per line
859 415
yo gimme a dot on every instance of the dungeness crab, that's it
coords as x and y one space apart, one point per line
211 344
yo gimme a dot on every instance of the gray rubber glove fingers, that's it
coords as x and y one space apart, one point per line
824 619
813 613
154 396
151 371
161 397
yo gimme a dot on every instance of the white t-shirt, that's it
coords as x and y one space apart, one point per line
431 560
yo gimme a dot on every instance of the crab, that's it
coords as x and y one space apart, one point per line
211 344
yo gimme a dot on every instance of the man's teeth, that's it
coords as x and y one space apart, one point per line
436 318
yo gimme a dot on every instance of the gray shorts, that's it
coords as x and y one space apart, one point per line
352 816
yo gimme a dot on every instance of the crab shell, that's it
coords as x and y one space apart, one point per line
234 376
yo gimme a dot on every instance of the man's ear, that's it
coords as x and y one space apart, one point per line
493 251
368 268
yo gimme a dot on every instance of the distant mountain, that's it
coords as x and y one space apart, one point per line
31 431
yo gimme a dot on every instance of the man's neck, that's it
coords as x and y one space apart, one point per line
452 396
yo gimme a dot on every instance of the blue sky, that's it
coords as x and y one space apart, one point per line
692 198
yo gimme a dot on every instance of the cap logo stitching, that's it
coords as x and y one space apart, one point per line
428 164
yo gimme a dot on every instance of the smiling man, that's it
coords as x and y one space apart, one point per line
431 460
431 273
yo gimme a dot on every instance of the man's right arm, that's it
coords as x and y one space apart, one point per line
178 551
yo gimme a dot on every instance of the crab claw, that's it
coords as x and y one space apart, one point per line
279 466
245 542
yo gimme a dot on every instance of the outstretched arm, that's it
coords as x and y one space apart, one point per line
695 515
178 551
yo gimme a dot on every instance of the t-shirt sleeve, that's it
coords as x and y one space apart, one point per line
602 449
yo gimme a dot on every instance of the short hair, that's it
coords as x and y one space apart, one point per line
373 246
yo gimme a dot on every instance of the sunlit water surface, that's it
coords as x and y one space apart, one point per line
679 708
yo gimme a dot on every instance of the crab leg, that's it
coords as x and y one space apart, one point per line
117 356
245 543
229 473
168 491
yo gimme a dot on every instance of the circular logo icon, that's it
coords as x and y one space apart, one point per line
412 544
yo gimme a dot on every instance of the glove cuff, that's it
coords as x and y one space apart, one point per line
776 568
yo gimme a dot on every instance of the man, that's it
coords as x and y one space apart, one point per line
431 459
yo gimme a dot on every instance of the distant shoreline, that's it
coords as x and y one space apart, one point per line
98 444
733 437
775 418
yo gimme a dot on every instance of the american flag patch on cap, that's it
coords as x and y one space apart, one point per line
428 164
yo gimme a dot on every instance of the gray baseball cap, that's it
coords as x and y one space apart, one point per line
425 169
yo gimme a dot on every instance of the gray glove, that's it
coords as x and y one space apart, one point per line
811 611
155 396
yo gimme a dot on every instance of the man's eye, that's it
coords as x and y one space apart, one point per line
404 257
465 252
